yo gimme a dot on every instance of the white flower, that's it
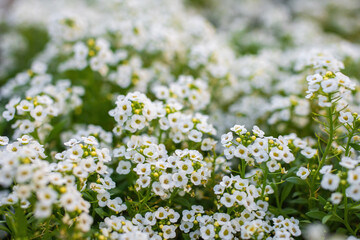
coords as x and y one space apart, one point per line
346 117
195 178
354 176
303 173
25 139
353 192
206 145
323 101
330 181
226 232
348 163
326 169
24 173
226 138
80 50
72 142
336 198
164 123
4 140
256 130
185 166
91 140
123 167
239 129
116 204
241 152
195 135
308 152
275 153
42 210
161 213
272 165
173 216
229 152
38 113
166 181
262 156
26 126
186 226
143 181
47 196
88 164
180 179
149 219
344 80
169 231
227 200
316 78
69 201
84 222
239 197
9 114
149 111
151 152
25 106
288 156
161 92
103 154
23 191
294 230
137 122
329 85
207 232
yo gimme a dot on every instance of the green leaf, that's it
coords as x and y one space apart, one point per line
289 211
355 146
322 200
326 218
183 202
332 218
341 230
56 130
101 212
296 194
88 196
299 201
356 207
21 222
115 191
9 218
286 191
316 214
4 228
295 180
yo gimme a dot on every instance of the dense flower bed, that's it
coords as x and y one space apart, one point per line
142 120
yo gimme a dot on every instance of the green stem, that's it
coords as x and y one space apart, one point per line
329 142
160 135
264 182
276 191
243 168
346 214
347 149
147 197
213 170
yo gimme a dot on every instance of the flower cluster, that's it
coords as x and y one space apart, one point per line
148 120
256 149
158 172
134 112
185 90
